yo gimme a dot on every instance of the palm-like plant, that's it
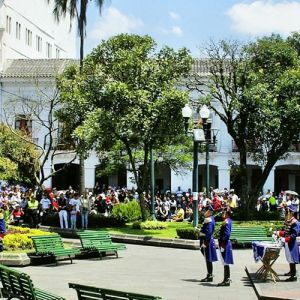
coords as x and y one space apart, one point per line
76 9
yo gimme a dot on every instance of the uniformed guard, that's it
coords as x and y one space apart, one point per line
207 243
225 246
289 239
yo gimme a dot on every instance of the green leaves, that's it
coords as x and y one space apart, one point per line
126 94
18 156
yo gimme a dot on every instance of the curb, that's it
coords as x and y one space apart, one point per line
133 239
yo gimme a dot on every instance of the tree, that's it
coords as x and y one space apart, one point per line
18 157
127 92
77 9
253 89
41 109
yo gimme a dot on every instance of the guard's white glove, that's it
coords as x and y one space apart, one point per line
283 240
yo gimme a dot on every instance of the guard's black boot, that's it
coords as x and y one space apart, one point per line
225 282
292 274
292 278
208 278
292 271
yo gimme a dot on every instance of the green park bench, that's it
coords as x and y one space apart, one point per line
246 235
89 292
18 285
52 245
100 241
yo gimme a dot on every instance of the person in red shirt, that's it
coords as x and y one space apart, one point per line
17 215
216 202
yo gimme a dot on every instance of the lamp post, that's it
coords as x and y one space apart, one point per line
204 114
198 136
152 182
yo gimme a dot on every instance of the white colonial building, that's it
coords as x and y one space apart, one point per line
33 50
26 81
28 30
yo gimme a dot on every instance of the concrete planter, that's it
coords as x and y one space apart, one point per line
14 259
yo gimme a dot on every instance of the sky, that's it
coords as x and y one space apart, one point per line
192 23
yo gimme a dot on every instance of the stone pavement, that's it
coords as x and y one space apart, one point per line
281 289
173 274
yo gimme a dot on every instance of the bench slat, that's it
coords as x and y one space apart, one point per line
16 284
243 235
93 293
52 245
99 241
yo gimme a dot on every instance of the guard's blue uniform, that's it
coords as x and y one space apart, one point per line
225 245
291 246
207 239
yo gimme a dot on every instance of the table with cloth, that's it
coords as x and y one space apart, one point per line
267 253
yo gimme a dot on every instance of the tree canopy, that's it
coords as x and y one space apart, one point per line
18 157
255 87
127 92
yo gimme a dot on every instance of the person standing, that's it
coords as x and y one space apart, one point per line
62 211
225 246
207 243
85 209
289 239
32 211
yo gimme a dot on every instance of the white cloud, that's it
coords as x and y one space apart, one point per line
115 22
265 17
173 15
175 30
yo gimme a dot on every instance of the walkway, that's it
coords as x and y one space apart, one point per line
173 274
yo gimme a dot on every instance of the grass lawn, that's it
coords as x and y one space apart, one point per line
169 232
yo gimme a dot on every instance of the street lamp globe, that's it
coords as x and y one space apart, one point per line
186 114
186 111
204 112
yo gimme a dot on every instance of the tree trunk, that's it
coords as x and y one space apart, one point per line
81 175
243 179
261 181
81 156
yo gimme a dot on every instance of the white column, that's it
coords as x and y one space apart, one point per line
270 182
130 180
224 178
89 177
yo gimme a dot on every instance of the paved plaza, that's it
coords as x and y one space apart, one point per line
173 274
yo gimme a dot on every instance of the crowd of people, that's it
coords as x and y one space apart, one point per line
21 205
271 202
179 206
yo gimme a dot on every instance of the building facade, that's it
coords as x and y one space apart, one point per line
27 81
28 30
34 48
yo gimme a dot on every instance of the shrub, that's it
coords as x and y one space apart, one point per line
130 211
98 220
241 215
17 238
188 233
150 225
